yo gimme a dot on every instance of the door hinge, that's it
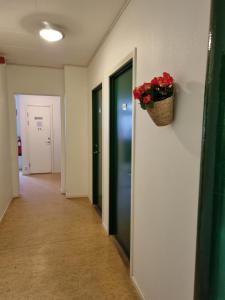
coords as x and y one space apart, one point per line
29 164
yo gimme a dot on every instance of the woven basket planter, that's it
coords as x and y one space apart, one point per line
162 112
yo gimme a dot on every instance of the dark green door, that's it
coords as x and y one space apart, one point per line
97 146
120 155
210 267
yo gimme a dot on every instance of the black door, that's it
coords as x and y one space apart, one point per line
97 146
120 155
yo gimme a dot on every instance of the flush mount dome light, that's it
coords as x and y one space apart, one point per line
51 33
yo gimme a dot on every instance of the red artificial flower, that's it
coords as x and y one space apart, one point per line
137 93
165 74
154 81
167 79
147 99
159 85
164 80
146 86
160 80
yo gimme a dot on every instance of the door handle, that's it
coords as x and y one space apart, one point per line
97 152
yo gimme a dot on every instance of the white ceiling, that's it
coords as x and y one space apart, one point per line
85 24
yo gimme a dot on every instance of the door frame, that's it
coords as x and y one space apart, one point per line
51 133
131 56
94 159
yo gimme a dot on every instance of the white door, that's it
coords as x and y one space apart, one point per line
39 139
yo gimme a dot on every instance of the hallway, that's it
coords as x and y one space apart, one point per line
56 248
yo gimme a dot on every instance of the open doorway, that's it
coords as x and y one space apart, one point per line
38 120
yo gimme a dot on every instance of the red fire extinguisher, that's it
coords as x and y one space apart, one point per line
19 145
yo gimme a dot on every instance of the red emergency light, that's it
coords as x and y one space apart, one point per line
2 60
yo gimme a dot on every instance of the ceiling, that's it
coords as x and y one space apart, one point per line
85 24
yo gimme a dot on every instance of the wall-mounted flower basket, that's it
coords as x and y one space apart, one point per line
157 97
162 112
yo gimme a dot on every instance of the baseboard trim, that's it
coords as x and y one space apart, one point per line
70 196
105 228
62 191
16 195
140 294
5 210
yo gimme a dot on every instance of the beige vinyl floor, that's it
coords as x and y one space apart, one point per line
54 248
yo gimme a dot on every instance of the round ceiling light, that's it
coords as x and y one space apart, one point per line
51 33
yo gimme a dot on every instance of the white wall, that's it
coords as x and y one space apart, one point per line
36 81
169 36
5 170
54 102
76 113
